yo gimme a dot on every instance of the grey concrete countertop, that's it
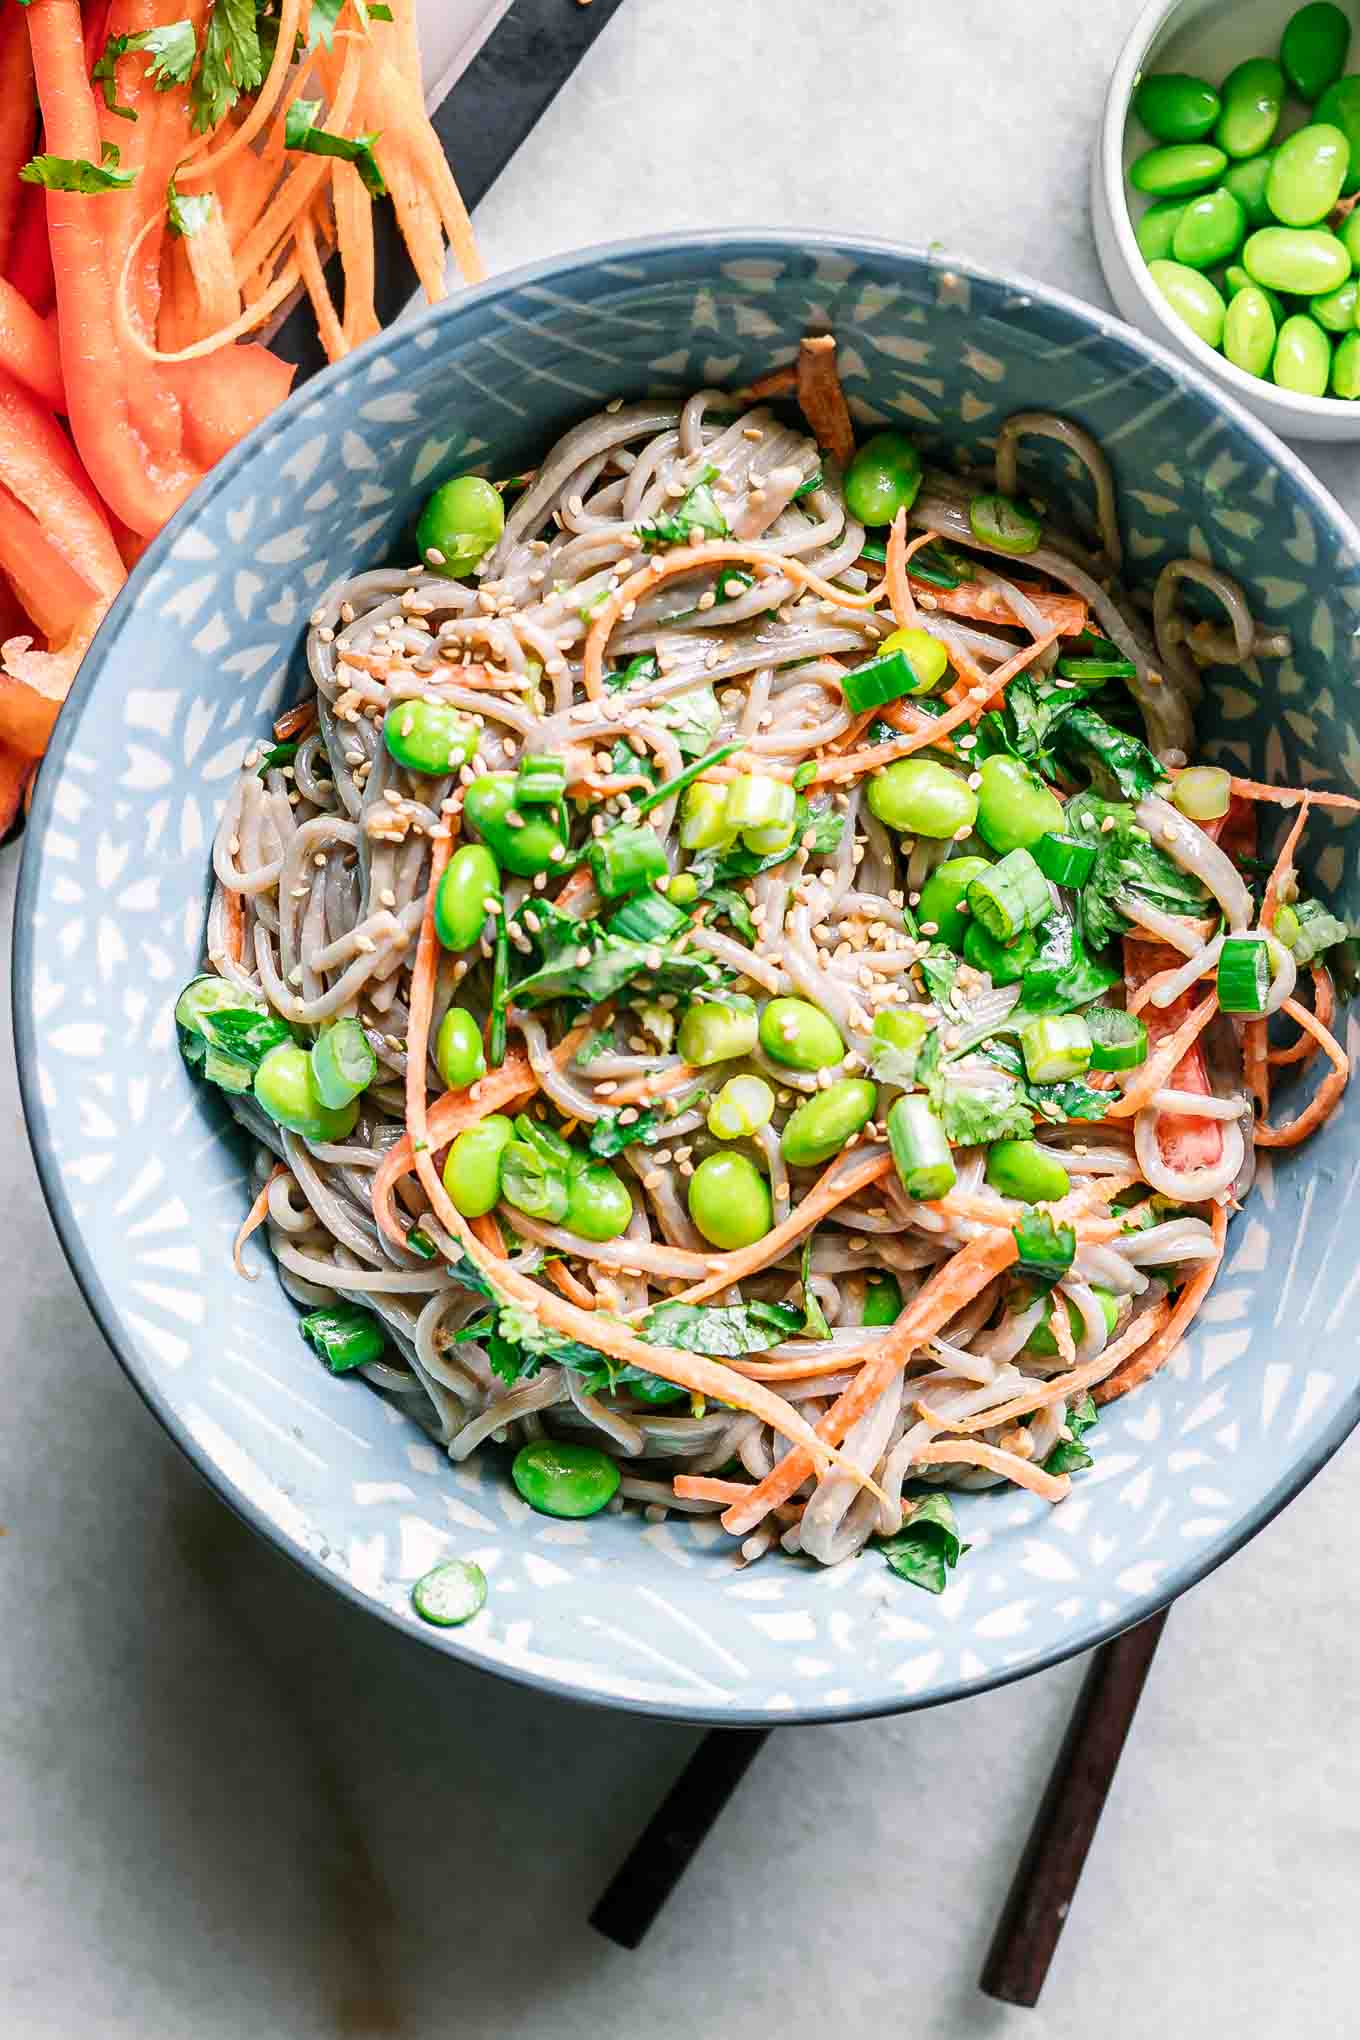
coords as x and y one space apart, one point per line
232 1807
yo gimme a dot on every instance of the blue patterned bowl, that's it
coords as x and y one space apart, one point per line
201 651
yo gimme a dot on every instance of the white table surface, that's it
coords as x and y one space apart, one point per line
234 1808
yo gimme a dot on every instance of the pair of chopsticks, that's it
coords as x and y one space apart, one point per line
1046 1879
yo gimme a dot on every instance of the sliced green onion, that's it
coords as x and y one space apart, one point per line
805 774
344 1335
541 782
421 1244
759 802
1092 657
940 567
343 1063
875 549
275 760
1309 930
1243 974
450 1593
500 994
1064 859
228 1072
877 681
1046 1250
1203 792
205 994
999 522
741 1108
703 819
806 488
648 917
667 791
625 858
1010 896
1055 1048
1119 1040
920 1149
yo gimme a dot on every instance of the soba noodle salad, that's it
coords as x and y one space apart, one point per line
742 994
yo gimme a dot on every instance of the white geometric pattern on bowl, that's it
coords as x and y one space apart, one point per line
147 1191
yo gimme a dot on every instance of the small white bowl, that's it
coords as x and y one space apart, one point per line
1206 38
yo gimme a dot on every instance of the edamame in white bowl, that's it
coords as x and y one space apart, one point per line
1204 39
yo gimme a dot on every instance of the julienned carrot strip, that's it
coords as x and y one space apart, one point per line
1062 1387
832 1188
1054 1487
29 349
1328 1094
687 1370
295 721
853 763
1286 796
1145 1364
209 257
16 123
1324 1005
821 398
405 125
354 236
235 915
328 325
935 1303
227 395
303 183
1156 1071
1065 615
575 1291
1283 868
208 162
898 552
140 489
683 560
254 1219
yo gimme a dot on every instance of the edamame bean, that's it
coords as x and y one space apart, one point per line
921 798
1192 298
882 1302
1304 261
535 845
1346 367
1307 175
1178 171
1336 310
429 737
1249 331
819 1127
285 1088
460 523
1237 279
598 1204
1156 230
1015 808
883 478
799 1035
458 1052
1348 234
729 1201
713 1033
938 913
1023 1169
1303 358
1313 47
1004 962
472 1168
1209 230
561 1479
1247 182
469 890
1339 106
741 1108
1252 95
1174 107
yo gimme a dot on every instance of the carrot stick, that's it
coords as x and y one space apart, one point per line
29 264
52 592
38 465
853 763
228 395
1328 1094
821 398
29 350
16 772
939 1300
1145 1364
17 122
141 490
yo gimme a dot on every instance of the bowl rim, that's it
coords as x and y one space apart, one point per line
709 248
1110 146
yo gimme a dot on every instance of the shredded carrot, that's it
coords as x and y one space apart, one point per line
1328 1094
1066 615
1060 1326
1159 1066
1324 1005
899 554
296 721
571 1287
1283 869
254 1219
323 304
234 912
1154 1355
776 382
1062 1387
198 165
1254 789
949 1289
489 1233
978 698
821 398
640 1090
1054 1487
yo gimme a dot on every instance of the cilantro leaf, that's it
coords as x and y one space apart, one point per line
299 132
814 1325
733 907
940 969
1046 1250
171 50
73 173
1088 740
625 763
1069 1455
1127 860
233 62
697 508
693 720
321 21
720 1330
582 960
976 1101
608 1137
188 213
1063 976
1072 1100
927 1547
